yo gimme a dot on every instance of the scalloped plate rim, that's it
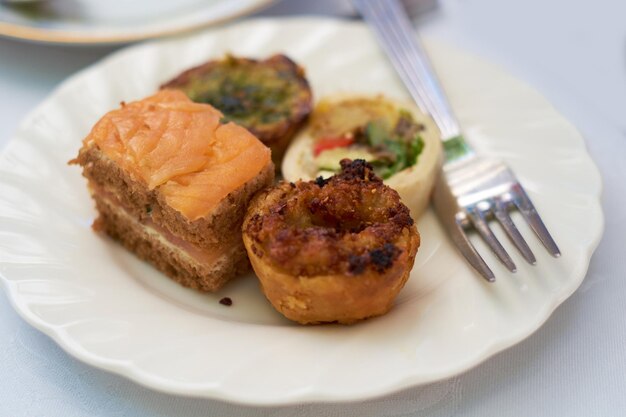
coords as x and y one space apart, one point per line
143 378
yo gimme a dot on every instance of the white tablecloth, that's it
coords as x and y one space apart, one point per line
573 51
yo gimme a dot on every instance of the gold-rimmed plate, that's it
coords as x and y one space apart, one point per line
114 21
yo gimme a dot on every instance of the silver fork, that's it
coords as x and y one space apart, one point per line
471 190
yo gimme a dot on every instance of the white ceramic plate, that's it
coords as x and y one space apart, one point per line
112 311
114 21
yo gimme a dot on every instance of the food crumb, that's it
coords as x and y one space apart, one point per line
226 301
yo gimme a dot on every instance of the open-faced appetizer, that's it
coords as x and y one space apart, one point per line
399 141
331 250
171 182
270 97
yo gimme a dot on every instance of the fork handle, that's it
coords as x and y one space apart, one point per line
394 30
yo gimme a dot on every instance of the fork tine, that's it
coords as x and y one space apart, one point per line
526 207
502 215
480 224
470 253
461 185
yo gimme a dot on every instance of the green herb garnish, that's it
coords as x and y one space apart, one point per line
393 151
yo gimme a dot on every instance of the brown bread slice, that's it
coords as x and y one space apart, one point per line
125 222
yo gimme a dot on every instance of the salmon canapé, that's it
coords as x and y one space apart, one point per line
180 147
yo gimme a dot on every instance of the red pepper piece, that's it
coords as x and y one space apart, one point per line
325 144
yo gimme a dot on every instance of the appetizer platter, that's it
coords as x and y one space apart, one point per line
264 145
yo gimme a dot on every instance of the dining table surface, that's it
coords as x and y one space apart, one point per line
574 53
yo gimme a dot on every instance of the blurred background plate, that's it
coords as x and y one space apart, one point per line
114 21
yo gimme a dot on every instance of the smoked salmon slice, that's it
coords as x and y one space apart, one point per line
180 148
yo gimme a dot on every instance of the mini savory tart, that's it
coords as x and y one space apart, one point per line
400 142
271 97
331 250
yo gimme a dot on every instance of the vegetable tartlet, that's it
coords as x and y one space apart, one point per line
400 142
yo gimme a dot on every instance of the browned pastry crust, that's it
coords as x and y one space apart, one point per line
280 117
336 250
